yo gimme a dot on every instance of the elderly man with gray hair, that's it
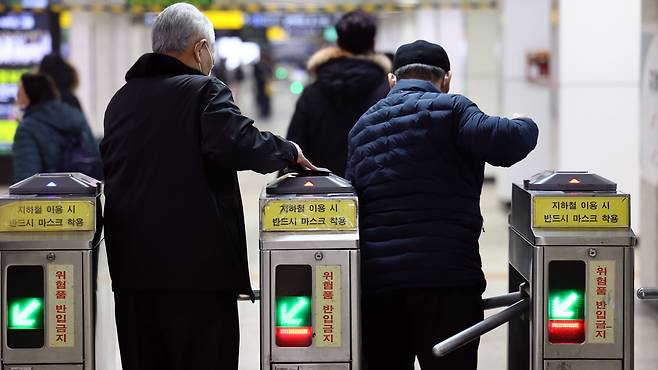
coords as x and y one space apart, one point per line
174 226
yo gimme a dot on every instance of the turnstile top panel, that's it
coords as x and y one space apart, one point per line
569 181
57 184
309 182
576 218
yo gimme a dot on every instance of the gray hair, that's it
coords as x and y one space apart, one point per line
420 71
178 26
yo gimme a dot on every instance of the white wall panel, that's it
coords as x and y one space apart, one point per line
525 28
599 41
599 132
598 91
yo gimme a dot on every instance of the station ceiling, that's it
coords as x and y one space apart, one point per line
251 6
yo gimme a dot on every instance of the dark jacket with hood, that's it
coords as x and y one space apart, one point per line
174 141
70 99
417 161
42 134
345 87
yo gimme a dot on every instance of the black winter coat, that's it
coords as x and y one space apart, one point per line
417 160
345 87
173 142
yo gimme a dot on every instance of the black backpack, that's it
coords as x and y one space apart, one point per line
76 157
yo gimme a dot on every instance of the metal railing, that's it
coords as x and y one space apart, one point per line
647 293
518 303
246 297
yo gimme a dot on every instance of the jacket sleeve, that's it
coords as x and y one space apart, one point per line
27 159
349 171
498 141
229 138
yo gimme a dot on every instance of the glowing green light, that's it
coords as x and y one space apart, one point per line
293 311
330 34
296 87
281 73
565 305
25 313
7 130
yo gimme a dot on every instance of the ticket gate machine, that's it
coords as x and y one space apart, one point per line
310 279
571 257
49 233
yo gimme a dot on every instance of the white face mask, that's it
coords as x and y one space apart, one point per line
19 113
212 58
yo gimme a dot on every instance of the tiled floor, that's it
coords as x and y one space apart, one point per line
493 247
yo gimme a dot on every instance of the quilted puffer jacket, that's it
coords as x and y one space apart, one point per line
417 161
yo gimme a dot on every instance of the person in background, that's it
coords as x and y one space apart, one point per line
350 78
50 133
263 71
174 223
65 77
416 159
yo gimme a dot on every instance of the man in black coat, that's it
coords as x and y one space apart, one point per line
416 159
174 224
350 78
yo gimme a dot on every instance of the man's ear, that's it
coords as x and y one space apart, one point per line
392 80
197 50
445 84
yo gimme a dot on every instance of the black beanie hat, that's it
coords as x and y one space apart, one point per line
422 52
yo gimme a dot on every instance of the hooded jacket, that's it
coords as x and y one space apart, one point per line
174 141
417 159
41 137
346 86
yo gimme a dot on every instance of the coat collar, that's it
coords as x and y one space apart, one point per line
324 56
155 64
414 85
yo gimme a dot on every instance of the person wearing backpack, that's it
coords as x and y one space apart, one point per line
51 136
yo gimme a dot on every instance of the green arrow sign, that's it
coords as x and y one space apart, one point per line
293 311
25 313
565 305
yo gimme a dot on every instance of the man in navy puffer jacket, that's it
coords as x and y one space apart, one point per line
417 161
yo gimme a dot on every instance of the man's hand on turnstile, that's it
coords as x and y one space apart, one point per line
301 160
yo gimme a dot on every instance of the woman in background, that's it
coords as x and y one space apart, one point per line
65 77
51 136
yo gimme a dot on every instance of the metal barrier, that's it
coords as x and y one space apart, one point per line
246 297
648 293
518 303
310 281
49 234
572 244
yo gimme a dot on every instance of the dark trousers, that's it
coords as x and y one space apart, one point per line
401 325
177 330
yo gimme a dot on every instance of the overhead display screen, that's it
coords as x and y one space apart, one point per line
25 38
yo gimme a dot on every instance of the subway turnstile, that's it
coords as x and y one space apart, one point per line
309 294
571 255
48 237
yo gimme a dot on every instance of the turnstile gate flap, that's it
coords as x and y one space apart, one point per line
57 184
309 182
569 181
